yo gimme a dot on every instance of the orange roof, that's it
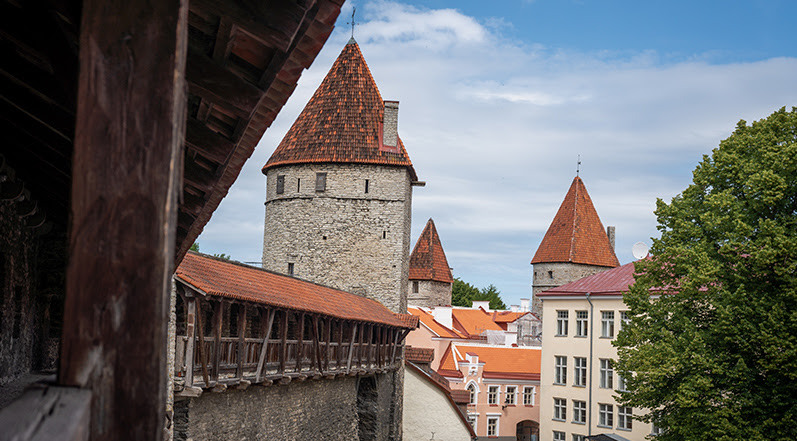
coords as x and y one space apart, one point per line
507 316
473 322
428 260
499 361
576 234
238 281
342 122
429 321
418 355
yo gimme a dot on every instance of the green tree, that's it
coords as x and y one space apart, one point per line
195 247
463 294
715 356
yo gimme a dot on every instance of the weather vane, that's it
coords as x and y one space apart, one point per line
578 166
352 22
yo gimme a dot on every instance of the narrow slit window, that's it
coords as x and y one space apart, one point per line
320 182
280 184
298 185
366 185
384 234
290 268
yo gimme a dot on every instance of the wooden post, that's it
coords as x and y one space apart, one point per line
203 353
396 334
317 344
239 371
264 348
218 316
284 336
126 176
300 343
190 327
339 364
351 348
329 343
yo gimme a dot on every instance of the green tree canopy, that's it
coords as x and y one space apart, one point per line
715 356
463 294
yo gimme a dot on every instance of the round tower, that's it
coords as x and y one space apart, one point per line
339 190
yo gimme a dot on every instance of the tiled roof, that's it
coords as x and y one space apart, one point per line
576 234
501 362
419 355
429 321
342 121
410 321
428 260
508 316
473 322
611 282
241 282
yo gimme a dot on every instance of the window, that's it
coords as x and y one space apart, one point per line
655 429
528 396
550 274
605 415
607 324
290 268
492 426
511 391
320 182
579 412
560 370
580 364
298 185
624 319
623 417
472 420
621 384
607 373
366 185
472 390
581 323
558 436
492 394
578 437
280 184
561 323
559 409
415 287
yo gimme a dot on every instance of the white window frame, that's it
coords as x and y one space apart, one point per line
621 387
577 437
607 373
624 417
624 319
511 397
559 409
579 412
559 436
529 392
493 392
580 372
474 395
605 415
497 428
560 369
607 324
562 318
582 321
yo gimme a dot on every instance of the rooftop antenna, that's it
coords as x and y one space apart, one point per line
578 166
352 22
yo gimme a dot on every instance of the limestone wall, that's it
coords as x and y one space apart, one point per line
342 237
430 293
551 275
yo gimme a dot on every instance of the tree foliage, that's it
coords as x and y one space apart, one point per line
715 356
463 294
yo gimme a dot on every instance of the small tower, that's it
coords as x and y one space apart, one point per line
575 245
339 190
430 277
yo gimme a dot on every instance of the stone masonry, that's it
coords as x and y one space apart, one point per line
430 293
343 236
551 275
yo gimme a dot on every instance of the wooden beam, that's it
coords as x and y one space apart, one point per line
351 348
264 347
239 371
207 142
339 364
300 343
284 341
218 321
47 413
126 175
190 332
203 354
329 343
317 344
395 345
213 82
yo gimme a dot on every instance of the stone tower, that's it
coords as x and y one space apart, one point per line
339 190
430 276
575 245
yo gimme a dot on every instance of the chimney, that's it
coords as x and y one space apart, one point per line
514 308
390 127
442 314
524 305
610 233
484 304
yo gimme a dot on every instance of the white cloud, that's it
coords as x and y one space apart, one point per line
495 127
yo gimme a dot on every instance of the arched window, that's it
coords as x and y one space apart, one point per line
473 392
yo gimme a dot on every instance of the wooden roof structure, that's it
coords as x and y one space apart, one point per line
124 125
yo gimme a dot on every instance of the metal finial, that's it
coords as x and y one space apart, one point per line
352 22
578 166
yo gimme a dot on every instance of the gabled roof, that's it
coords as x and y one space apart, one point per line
342 122
611 282
428 260
473 322
237 281
509 316
433 325
500 362
576 234
449 394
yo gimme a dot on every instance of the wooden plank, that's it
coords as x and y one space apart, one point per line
203 355
239 371
351 348
395 346
300 343
317 345
284 341
264 347
329 343
207 142
218 319
339 364
47 413
213 82
190 332
126 176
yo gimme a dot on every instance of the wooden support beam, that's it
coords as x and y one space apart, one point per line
300 343
329 344
190 332
351 347
264 347
241 357
395 346
215 83
203 354
207 142
284 341
317 345
126 175
218 317
341 325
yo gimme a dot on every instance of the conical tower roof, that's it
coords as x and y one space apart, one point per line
428 260
576 234
342 122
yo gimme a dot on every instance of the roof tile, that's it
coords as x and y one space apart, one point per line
499 361
428 260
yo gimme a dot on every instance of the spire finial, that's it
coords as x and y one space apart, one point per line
352 22
578 166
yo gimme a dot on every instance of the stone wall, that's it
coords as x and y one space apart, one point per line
342 237
430 293
309 410
551 275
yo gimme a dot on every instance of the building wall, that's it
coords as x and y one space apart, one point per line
428 410
571 346
309 410
424 338
342 237
430 293
550 275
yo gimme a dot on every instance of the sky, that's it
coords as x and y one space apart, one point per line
499 99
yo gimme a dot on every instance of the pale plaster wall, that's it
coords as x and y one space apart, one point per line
427 410
571 346
424 338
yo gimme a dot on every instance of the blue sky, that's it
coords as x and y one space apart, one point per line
498 99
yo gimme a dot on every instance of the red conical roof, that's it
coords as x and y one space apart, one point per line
428 260
342 121
576 234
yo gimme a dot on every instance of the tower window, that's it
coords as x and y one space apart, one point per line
550 274
280 184
320 182
298 185
415 286
384 234
290 268
366 185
